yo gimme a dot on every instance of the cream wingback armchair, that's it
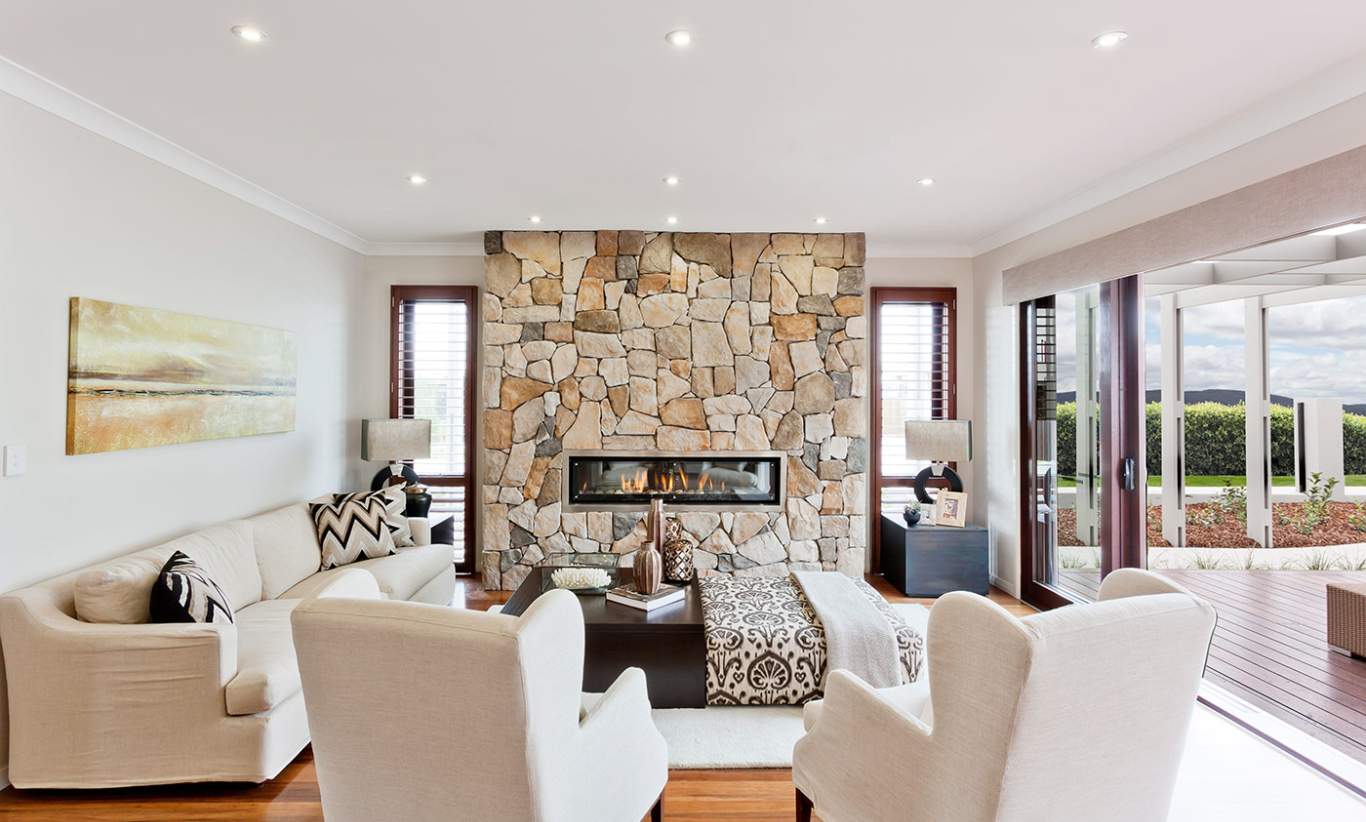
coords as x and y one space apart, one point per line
423 713
1078 714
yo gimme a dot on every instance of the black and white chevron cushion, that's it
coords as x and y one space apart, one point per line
184 593
395 504
352 529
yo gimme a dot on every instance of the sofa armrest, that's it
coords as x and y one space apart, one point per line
78 691
422 530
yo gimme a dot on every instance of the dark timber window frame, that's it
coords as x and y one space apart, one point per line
401 380
947 377
1123 527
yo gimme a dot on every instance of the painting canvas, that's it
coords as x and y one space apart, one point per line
140 377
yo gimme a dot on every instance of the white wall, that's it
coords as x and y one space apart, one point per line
1335 130
81 216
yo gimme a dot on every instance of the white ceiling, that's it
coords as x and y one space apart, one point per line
781 109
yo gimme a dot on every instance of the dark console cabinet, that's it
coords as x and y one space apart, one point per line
930 560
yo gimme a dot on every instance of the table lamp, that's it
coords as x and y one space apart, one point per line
395 441
940 442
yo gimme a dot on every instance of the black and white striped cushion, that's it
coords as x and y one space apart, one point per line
352 529
184 593
395 506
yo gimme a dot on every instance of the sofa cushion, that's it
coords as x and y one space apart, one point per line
352 530
184 593
119 591
267 671
286 548
226 554
399 576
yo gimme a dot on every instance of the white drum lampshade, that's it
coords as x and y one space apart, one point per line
939 440
395 441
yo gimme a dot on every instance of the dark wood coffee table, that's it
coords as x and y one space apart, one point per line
668 644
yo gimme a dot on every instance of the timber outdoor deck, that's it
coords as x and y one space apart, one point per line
1270 647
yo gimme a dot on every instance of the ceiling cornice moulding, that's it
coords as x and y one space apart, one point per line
60 101
885 250
451 249
1319 93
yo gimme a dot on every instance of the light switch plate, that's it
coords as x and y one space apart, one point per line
16 460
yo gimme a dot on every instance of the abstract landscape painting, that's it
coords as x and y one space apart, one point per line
140 377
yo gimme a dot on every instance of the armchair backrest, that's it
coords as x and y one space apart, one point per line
419 712
1077 713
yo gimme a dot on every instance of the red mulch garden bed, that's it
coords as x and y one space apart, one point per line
1209 526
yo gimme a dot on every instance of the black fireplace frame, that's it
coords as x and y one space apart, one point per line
641 503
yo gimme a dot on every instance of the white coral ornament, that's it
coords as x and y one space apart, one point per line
579 578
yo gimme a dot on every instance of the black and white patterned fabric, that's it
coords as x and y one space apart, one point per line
765 645
395 506
352 529
184 593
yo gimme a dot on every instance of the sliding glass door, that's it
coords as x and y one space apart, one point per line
1081 440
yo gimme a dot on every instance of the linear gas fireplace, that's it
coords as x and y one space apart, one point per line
700 480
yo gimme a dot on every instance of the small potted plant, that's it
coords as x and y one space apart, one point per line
911 512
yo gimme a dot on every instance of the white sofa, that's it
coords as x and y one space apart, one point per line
100 698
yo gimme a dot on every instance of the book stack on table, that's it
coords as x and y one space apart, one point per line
628 595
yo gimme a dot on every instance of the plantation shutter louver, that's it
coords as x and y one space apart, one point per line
914 379
432 380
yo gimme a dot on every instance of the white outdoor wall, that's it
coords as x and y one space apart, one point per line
1330 132
82 216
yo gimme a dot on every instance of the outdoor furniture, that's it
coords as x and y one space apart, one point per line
1347 619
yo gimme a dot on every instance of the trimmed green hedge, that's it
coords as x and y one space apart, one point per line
1216 440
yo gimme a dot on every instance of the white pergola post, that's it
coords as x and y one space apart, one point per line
1173 424
1258 421
1088 512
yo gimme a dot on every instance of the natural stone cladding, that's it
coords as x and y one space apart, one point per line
634 341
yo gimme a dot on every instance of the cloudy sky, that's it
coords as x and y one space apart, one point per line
1317 349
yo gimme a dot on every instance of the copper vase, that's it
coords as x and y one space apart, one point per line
649 564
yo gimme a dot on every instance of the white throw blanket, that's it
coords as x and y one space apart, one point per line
858 638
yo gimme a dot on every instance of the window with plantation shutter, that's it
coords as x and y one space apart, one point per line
432 374
913 378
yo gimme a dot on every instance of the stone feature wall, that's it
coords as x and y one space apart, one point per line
637 341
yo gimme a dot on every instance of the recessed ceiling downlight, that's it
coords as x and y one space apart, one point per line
926 181
671 180
1109 39
821 221
535 218
679 38
249 33
671 220
417 179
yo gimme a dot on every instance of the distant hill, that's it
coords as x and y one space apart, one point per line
1222 396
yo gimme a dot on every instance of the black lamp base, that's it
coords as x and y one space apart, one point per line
381 479
921 480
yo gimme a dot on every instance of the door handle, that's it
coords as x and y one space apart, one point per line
1127 471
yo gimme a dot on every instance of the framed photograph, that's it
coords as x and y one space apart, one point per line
951 509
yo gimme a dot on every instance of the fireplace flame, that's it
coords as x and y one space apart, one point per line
643 481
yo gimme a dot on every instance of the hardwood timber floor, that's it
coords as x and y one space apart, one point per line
715 796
